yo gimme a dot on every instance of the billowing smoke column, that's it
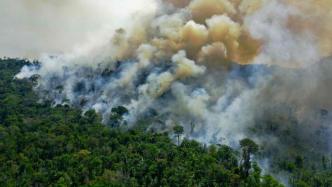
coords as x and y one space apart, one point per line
224 69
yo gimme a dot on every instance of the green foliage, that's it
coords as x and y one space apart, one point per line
178 130
269 181
249 145
44 146
302 176
249 148
120 110
116 118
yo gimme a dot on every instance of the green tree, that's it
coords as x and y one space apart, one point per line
92 116
249 148
299 161
116 117
178 131
42 145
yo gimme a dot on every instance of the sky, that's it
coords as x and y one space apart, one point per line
30 28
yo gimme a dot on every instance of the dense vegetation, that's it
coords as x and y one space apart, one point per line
58 146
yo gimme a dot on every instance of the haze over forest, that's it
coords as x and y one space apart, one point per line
248 78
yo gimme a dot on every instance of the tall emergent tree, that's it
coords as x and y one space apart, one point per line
178 131
249 148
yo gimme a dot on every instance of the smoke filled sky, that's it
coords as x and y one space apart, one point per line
222 65
30 28
259 31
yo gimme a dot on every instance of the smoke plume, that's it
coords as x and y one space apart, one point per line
224 69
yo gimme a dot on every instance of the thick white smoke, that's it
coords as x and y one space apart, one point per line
220 68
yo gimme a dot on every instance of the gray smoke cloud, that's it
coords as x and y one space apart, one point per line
30 28
223 69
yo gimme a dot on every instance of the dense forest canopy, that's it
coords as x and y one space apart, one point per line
42 145
166 93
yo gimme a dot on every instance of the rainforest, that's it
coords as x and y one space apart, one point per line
166 93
